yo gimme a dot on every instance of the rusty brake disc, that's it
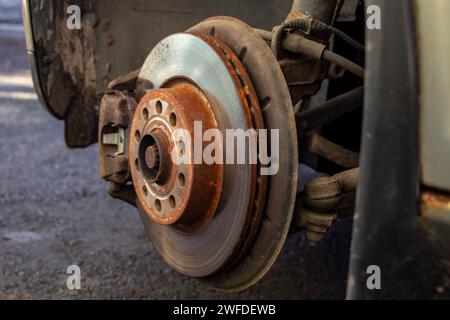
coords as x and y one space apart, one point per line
276 106
206 224
232 243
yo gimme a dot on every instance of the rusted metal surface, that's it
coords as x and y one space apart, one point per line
435 215
317 224
312 43
313 71
116 111
126 82
123 192
299 44
331 110
66 66
254 117
324 10
324 200
115 114
183 195
436 200
306 83
349 179
322 194
226 85
322 147
276 107
326 194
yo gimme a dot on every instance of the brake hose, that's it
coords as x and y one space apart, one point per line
308 25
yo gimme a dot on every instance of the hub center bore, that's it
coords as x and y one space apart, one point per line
183 195
154 157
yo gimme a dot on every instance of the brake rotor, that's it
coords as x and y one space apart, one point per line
196 233
276 106
237 245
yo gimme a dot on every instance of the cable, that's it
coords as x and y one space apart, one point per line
344 63
345 37
310 48
276 44
308 25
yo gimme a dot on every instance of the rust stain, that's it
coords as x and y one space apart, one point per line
440 201
66 60
196 199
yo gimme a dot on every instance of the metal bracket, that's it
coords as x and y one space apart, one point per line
115 139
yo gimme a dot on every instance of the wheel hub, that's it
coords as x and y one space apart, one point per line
183 195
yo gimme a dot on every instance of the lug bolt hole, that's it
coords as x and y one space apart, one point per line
144 189
173 119
181 180
158 107
145 114
137 136
172 202
158 205
181 148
